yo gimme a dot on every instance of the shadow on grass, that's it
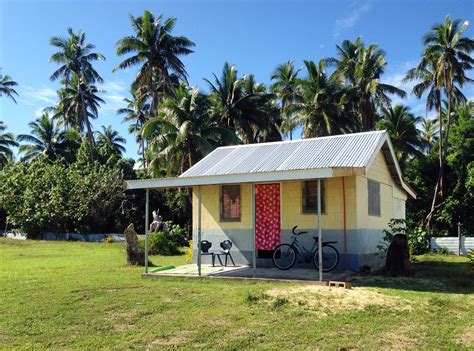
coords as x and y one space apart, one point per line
432 274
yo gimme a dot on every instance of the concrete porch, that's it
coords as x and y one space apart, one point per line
307 275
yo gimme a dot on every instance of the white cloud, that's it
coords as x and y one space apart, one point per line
39 111
114 94
351 20
32 95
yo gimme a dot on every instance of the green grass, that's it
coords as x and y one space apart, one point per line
82 295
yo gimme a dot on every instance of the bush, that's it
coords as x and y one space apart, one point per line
108 240
417 237
176 233
161 243
189 252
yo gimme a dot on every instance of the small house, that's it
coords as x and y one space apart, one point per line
255 194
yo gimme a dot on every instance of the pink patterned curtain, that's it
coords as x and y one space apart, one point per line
267 216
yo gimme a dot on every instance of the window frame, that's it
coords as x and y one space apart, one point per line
221 204
373 184
323 197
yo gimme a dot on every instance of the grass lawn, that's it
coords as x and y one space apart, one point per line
82 295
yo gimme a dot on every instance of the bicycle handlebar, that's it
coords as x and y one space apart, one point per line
294 231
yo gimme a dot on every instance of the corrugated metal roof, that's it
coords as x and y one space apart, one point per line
340 151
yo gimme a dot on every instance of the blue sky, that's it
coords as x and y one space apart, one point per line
254 35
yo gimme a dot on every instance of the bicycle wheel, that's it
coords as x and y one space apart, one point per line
284 256
330 258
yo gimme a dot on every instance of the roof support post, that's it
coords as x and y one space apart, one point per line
147 215
320 237
254 258
199 229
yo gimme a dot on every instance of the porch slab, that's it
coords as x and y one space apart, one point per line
306 275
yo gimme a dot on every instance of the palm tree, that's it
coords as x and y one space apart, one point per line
82 103
429 129
360 69
136 113
400 124
6 87
318 105
242 105
444 63
186 131
449 52
285 78
45 139
110 141
75 58
158 52
7 141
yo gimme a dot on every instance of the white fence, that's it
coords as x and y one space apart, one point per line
452 244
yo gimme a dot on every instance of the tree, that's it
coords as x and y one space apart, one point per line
318 104
7 141
82 104
136 113
109 142
285 84
400 124
360 69
158 53
447 57
47 140
75 58
186 131
242 105
429 129
7 87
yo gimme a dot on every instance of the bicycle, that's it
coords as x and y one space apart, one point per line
285 255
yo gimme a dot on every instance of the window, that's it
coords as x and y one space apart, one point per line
310 196
230 203
374 197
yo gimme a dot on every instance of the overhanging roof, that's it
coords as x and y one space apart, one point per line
323 157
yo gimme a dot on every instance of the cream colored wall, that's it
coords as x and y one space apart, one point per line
292 201
211 208
392 197
392 203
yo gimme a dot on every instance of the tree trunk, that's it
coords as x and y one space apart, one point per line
90 136
398 256
439 181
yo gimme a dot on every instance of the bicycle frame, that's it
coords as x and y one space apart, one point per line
308 254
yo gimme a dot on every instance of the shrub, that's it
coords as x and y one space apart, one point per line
417 237
189 252
176 233
108 240
161 243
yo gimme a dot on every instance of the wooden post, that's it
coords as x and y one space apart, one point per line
254 259
199 229
320 237
459 238
147 215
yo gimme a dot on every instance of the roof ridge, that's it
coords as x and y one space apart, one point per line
304 140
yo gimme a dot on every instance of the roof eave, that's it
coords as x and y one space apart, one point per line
261 177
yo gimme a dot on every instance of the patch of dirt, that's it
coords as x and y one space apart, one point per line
467 337
335 299
167 342
121 321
